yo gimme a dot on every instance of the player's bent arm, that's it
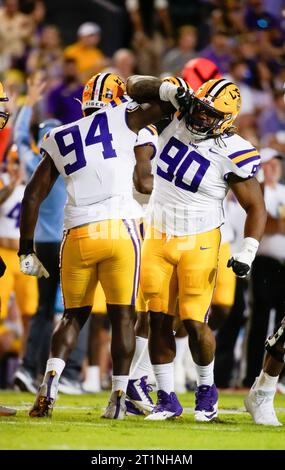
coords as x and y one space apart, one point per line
248 193
159 95
36 191
143 179
144 88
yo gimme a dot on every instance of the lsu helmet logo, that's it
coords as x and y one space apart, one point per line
101 89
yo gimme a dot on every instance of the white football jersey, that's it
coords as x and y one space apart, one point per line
95 156
190 181
10 211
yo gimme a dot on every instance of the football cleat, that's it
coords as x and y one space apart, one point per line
24 381
4 411
132 410
206 402
259 404
45 398
138 394
167 407
116 408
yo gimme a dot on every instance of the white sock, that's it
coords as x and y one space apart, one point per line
164 374
140 346
205 374
266 382
120 382
54 363
143 366
181 347
93 376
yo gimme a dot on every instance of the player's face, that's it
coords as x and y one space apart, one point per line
203 118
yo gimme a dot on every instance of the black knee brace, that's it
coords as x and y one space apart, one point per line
275 344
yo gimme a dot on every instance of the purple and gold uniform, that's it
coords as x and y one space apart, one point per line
181 247
25 287
95 156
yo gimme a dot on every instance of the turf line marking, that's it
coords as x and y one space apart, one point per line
187 410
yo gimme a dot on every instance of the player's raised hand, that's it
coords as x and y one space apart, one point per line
31 265
36 86
184 99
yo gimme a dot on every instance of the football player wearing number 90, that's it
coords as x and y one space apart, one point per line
95 156
199 158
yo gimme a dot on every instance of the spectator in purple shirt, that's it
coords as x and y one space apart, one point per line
272 119
61 101
219 51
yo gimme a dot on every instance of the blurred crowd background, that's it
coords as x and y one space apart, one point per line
61 44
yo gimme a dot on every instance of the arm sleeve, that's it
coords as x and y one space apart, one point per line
148 136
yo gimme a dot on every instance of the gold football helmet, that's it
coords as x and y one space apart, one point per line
213 109
4 116
101 89
178 81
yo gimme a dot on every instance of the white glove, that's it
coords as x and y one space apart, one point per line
168 92
241 262
31 265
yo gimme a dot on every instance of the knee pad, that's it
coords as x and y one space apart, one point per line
275 344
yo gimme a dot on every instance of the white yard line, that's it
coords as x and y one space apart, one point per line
187 410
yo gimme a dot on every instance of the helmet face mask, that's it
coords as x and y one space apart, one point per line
3 119
213 109
203 120
4 116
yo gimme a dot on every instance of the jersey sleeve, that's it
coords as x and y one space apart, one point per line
48 146
148 136
243 159
132 106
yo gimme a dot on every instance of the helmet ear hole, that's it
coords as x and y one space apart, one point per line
101 89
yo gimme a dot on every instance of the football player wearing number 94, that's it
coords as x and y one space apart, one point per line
199 158
95 156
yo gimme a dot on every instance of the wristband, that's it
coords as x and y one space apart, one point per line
249 247
26 247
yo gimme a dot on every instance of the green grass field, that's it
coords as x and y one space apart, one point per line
76 424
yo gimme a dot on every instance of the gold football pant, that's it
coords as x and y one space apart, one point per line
25 287
106 251
180 267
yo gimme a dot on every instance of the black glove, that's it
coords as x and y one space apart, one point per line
2 267
239 268
184 99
